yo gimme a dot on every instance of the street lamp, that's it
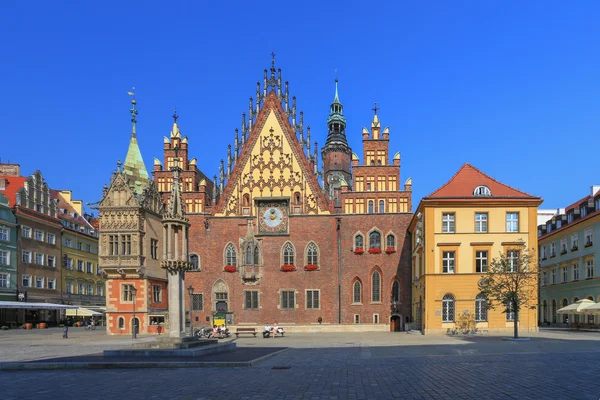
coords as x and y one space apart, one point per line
134 324
190 290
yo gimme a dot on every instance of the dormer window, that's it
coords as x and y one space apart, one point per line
583 210
570 217
482 191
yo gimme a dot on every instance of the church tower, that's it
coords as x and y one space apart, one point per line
336 153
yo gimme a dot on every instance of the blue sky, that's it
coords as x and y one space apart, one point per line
510 87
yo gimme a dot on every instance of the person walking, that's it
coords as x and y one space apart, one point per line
65 332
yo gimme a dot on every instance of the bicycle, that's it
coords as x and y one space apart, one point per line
90 327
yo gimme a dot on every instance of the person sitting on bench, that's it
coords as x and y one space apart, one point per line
274 329
215 332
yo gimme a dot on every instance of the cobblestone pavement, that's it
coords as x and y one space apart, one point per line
352 366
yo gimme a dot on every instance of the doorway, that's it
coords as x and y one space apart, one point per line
135 323
395 323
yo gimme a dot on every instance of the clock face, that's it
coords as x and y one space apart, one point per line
273 217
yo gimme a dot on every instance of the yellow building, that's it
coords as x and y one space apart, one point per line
456 232
82 281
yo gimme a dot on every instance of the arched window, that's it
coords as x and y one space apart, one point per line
230 255
482 191
590 317
246 201
357 290
553 311
375 287
565 316
288 254
195 260
576 316
249 258
375 240
312 257
371 211
256 254
121 322
381 206
448 308
297 198
480 308
395 292
358 242
390 241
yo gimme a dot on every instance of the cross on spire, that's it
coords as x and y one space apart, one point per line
375 109
175 116
273 56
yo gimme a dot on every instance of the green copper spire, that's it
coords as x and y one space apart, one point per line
336 121
134 165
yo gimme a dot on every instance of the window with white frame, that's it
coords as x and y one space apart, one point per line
545 278
381 206
69 263
157 293
552 250
512 222
563 246
39 235
513 260
312 299
544 252
589 237
26 231
570 217
52 283
553 275
39 282
26 281
69 288
574 241
100 290
583 210
89 267
371 207
80 265
51 238
374 240
68 243
80 288
251 301
358 242
4 234
481 261
312 254
482 191
26 256
480 308
39 258
481 222
448 259
90 290
565 274
126 293
288 254
4 280
558 224
390 242
4 257
589 268
448 223
575 271
448 308
287 300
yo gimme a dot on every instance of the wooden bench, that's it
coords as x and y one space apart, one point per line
240 331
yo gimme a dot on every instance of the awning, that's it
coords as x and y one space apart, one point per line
593 309
579 307
82 312
35 306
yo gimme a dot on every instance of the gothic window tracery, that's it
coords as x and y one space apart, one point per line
375 240
230 255
312 254
288 254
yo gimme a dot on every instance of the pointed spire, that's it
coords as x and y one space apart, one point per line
336 122
133 112
375 123
175 133
175 208
134 165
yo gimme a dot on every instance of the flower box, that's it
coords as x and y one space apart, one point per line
390 250
358 250
311 267
287 267
230 268
376 250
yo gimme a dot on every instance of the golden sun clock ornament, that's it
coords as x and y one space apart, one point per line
273 217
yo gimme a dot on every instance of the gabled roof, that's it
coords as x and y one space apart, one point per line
577 203
464 182
63 205
13 184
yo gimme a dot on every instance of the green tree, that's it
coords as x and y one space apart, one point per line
511 283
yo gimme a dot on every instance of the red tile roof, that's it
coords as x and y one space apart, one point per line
63 205
464 182
577 203
13 184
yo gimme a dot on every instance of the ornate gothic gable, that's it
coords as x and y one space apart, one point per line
119 194
272 164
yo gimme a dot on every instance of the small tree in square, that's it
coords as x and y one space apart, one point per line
511 283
